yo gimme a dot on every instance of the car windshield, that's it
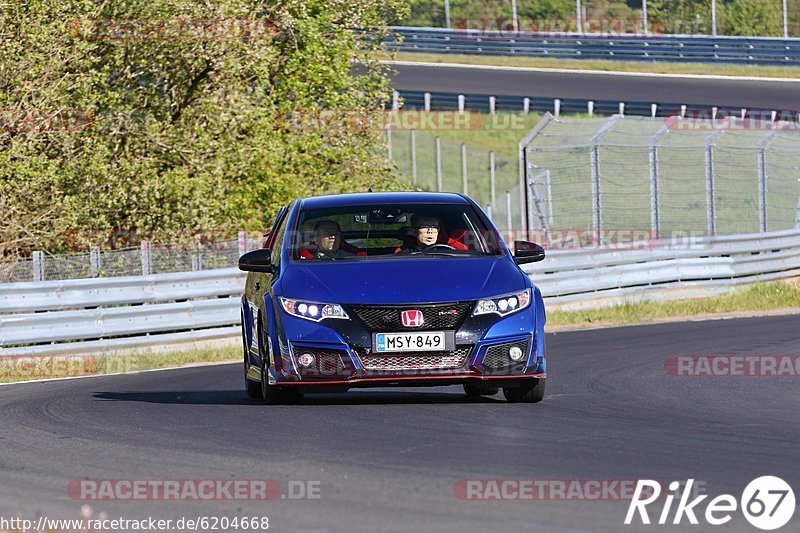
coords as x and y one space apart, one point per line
419 231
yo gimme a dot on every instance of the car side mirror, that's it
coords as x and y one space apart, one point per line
256 261
527 252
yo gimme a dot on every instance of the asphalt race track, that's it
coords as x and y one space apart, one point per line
766 94
388 459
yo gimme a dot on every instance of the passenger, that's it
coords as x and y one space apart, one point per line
426 233
327 242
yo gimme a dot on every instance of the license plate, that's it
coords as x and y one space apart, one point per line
428 341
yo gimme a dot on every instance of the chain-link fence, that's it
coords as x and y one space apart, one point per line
142 260
666 177
595 180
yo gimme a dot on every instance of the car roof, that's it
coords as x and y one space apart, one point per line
379 198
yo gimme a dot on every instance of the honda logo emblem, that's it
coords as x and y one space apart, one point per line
412 319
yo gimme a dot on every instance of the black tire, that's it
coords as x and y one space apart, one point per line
530 391
252 387
269 394
475 389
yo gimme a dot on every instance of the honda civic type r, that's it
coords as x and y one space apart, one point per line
390 289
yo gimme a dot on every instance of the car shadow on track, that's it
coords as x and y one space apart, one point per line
238 397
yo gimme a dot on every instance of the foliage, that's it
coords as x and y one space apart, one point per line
194 126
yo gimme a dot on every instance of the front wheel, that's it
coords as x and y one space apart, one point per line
530 391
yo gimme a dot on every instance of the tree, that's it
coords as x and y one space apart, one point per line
170 116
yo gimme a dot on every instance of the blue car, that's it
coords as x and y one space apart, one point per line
390 289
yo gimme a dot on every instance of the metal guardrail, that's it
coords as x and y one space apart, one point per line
121 313
679 48
436 101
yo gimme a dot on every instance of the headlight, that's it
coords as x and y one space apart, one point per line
312 310
503 305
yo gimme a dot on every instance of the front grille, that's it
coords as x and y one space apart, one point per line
327 363
497 360
416 360
435 317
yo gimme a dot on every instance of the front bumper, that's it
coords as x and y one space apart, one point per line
343 356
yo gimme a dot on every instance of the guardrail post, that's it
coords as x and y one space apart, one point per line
590 107
491 177
38 266
491 105
653 110
438 142
464 168
526 105
489 212
413 156
683 111
395 100
622 108
461 102
557 107
427 101
147 264
95 261
714 111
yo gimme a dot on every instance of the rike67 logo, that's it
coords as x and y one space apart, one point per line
767 502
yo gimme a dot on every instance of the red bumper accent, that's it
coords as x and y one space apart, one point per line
380 379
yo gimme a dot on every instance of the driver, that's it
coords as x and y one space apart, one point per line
426 233
328 241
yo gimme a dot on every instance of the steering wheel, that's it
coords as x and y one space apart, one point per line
437 247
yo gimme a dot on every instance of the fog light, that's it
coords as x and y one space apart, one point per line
305 360
515 353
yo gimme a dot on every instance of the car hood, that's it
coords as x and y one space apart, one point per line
399 281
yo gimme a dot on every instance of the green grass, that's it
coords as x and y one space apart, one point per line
617 66
760 297
61 366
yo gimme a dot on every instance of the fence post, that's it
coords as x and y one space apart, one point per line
38 266
508 211
762 189
94 261
389 141
597 206
242 243
492 182
147 263
655 195
414 156
489 211
465 185
438 164
711 214
549 198
762 179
